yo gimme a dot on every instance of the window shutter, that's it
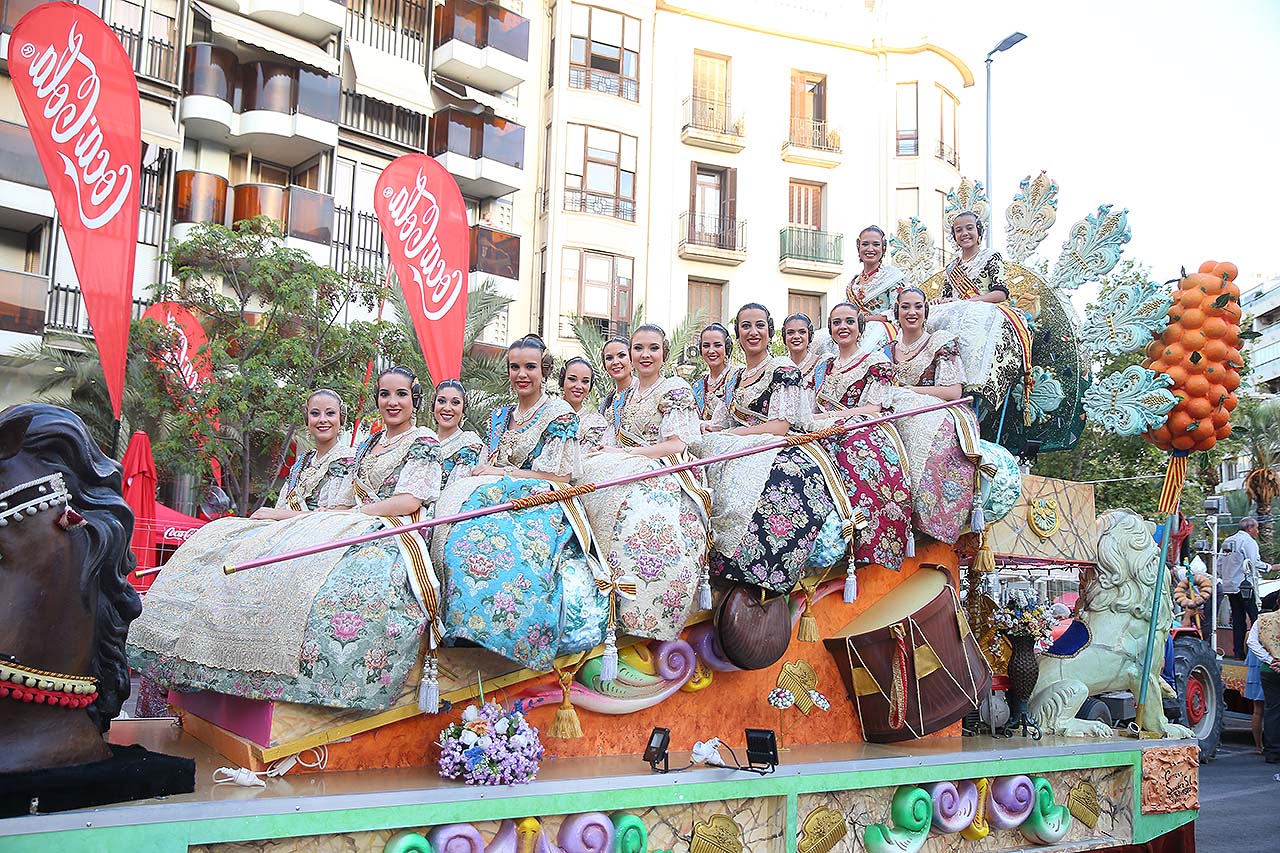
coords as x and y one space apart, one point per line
729 205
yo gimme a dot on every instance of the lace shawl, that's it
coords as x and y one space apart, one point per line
935 360
547 444
838 389
808 367
459 453
319 482
876 294
668 410
985 269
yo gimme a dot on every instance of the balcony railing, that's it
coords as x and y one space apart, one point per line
607 82
11 11
476 136
908 143
716 232
804 244
482 25
22 301
495 252
300 212
270 86
385 121
395 26
199 197
948 154
712 114
18 159
269 200
357 240
813 133
151 57
310 215
64 311
581 201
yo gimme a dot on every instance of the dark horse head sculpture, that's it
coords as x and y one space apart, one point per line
65 600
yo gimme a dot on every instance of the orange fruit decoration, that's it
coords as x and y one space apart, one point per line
1200 351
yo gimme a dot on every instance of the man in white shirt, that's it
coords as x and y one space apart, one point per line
1264 642
1239 553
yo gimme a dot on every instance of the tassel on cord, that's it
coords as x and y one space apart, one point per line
429 688
609 662
911 543
850 587
808 631
566 723
704 588
984 561
978 521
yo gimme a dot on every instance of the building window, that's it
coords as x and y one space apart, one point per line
151 186
604 52
947 108
810 304
906 202
600 172
147 35
804 205
809 112
945 247
908 110
707 298
709 105
713 208
603 284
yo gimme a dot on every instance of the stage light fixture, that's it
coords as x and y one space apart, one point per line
656 751
762 750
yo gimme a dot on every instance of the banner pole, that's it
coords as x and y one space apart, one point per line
841 428
115 440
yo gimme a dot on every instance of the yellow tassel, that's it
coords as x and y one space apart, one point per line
808 631
566 723
984 561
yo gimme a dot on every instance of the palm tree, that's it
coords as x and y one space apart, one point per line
1262 484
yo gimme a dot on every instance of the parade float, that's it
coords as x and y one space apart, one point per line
873 724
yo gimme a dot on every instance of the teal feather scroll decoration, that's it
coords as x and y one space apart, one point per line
1048 822
1126 318
1130 402
1046 394
911 814
1092 248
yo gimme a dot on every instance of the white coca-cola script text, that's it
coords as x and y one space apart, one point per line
415 215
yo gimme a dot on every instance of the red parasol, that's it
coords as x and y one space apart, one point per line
140 494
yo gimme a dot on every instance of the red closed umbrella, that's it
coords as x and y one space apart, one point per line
140 494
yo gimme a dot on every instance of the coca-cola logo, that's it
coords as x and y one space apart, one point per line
182 534
178 357
67 88
415 216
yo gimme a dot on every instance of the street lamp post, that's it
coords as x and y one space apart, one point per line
1008 42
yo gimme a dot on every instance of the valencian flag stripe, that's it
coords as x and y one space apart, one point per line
77 90
424 221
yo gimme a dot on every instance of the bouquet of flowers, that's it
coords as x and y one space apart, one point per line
491 746
1026 618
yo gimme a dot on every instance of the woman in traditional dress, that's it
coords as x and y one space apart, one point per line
341 628
654 531
797 337
616 357
978 271
942 446
577 376
859 384
503 573
873 290
715 346
318 477
768 508
459 449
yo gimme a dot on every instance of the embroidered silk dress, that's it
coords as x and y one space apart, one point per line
709 393
459 453
505 574
316 482
872 462
994 339
809 367
942 446
656 530
768 508
591 429
340 629
874 295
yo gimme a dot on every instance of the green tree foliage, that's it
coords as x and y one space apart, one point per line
279 325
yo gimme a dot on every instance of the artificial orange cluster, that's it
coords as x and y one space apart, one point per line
1200 351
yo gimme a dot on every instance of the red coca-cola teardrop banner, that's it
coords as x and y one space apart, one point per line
424 221
185 365
77 90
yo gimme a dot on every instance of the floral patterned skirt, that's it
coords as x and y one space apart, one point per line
870 463
361 641
653 532
502 584
942 498
774 551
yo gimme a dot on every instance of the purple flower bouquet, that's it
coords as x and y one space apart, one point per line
491 746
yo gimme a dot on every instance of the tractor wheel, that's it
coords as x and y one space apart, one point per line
1199 691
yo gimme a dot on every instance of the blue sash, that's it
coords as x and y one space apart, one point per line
497 427
819 374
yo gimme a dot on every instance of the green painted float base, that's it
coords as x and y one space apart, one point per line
321 804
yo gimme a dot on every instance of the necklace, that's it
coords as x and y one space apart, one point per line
519 419
866 276
750 375
845 364
389 443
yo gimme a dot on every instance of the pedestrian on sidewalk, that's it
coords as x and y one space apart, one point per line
1239 554
1264 643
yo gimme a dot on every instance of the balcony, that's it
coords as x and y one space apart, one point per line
282 113
481 44
311 20
151 57
947 154
22 302
584 201
811 142
804 251
19 162
485 154
710 123
714 239
302 214
384 121
605 82
64 311
494 254
394 26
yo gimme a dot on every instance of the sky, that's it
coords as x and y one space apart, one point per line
1170 108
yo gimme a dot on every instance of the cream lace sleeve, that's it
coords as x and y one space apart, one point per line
790 401
875 391
336 487
561 452
949 369
679 413
422 472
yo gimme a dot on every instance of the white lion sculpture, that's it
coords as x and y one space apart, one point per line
1115 605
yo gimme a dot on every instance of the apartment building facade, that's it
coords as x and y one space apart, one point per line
611 153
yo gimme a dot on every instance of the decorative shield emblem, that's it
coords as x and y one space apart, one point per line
1043 517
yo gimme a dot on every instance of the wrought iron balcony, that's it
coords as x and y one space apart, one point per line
606 82
717 239
581 201
809 252
812 142
151 57
395 26
383 120
710 123
64 310
948 154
